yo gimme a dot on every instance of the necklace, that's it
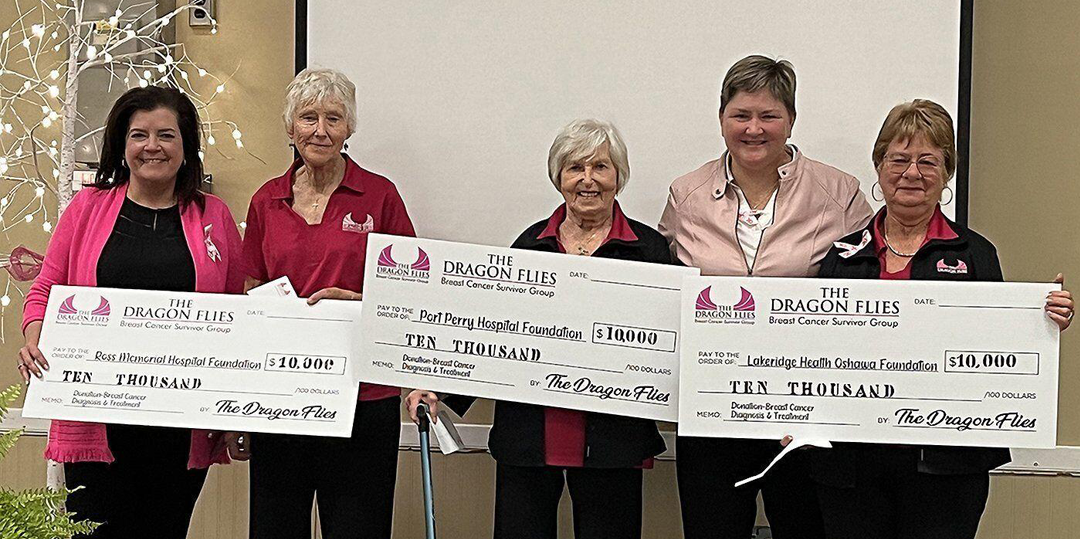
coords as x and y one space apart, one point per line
760 208
303 183
893 249
582 246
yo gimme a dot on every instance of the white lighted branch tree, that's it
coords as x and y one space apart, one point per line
43 53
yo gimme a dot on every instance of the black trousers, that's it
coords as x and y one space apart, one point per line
146 492
891 499
353 478
712 508
606 502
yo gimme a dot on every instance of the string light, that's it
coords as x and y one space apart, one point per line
40 71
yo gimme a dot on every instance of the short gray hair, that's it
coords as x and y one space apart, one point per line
580 140
320 85
756 72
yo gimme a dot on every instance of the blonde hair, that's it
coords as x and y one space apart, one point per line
909 120
756 72
580 140
320 85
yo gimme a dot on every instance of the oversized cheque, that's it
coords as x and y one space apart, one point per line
575 332
968 364
213 361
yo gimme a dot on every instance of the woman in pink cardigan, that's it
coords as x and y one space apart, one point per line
143 224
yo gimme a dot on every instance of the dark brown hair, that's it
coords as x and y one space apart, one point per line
113 172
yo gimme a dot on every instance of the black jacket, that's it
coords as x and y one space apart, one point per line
833 466
611 441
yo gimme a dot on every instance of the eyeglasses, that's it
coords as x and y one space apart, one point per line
928 167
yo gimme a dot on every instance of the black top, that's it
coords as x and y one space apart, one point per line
147 250
611 441
979 255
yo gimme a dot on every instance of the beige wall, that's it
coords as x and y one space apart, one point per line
1026 79
1024 159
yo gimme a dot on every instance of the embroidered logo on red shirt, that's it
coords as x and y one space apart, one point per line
960 268
211 249
348 225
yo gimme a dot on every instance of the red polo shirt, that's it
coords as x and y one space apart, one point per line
938 229
278 241
564 430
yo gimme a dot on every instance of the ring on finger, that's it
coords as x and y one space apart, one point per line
22 366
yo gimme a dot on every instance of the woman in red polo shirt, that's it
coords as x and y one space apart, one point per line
909 491
538 450
311 224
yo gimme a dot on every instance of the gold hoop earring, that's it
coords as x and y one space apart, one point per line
949 189
875 190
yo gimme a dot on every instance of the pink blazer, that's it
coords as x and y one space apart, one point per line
816 205
72 259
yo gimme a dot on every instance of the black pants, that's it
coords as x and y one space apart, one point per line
354 478
146 492
890 498
606 502
712 508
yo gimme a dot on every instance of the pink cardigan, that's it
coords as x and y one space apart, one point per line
72 259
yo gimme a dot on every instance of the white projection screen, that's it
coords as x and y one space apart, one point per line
460 100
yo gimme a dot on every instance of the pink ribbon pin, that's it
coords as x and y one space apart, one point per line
849 249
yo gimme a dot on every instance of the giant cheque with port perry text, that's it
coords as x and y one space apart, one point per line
577 332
